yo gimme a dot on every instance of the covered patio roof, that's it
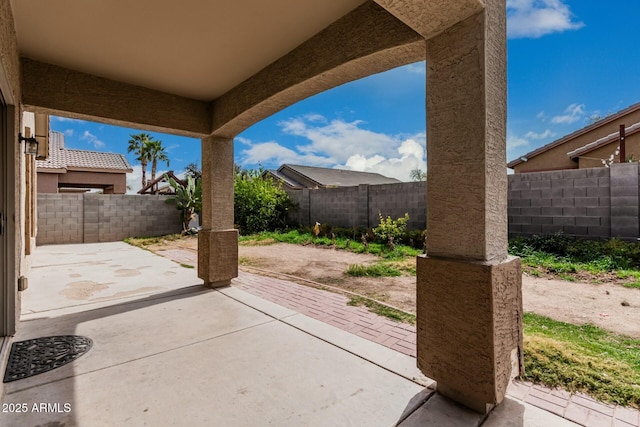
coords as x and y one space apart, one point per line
211 69
195 67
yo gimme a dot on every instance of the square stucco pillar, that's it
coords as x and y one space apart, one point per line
218 240
469 302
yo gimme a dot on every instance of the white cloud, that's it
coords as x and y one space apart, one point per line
536 18
134 179
544 135
339 140
92 139
573 113
272 152
411 156
341 144
542 116
243 141
514 141
68 132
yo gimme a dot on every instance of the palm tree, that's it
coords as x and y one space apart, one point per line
138 144
155 152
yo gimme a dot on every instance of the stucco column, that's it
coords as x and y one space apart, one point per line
218 240
469 289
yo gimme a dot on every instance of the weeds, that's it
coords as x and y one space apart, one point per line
375 270
383 310
582 358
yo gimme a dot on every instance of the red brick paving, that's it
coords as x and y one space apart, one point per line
332 308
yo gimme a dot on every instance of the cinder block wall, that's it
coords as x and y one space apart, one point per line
359 206
336 206
574 202
591 203
395 200
89 218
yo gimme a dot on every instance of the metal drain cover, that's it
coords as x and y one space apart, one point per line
33 357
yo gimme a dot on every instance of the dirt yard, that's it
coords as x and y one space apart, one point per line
607 305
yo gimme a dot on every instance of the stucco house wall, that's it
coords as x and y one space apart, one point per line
553 156
593 159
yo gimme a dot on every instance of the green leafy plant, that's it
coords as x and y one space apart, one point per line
390 230
188 199
260 204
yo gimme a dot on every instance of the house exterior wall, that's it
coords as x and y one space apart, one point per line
47 183
556 158
594 158
91 218
13 195
114 183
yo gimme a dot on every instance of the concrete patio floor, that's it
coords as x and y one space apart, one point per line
169 352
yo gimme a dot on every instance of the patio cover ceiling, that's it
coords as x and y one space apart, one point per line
193 48
197 67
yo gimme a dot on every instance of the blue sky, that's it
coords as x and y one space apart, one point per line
568 61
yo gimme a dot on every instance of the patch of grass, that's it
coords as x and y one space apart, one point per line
383 310
582 358
630 274
375 270
356 246
186 265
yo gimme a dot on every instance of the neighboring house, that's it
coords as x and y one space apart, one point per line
298 177
69 170
587 147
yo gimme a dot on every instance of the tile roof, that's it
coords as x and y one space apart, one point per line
61 158
326 177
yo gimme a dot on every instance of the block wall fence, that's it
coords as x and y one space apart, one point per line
91 218
590 203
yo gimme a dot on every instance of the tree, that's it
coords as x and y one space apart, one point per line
418 174
138 145
193 170
155 152
260 204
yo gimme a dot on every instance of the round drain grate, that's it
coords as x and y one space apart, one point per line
33 357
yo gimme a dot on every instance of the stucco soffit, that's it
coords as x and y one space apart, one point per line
56 90
431 17
366 41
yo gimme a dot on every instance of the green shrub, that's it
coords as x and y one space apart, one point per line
390 230
260 204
